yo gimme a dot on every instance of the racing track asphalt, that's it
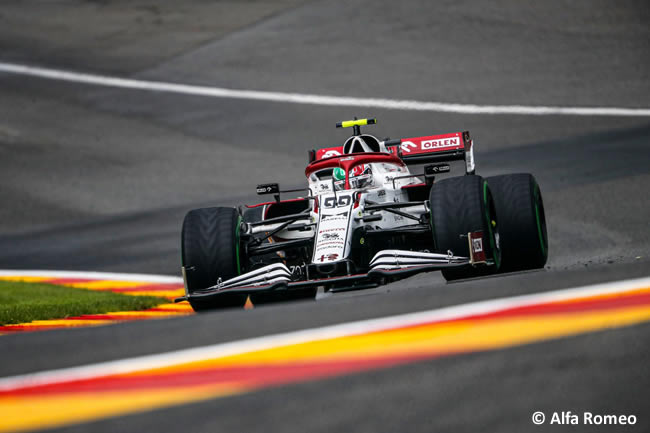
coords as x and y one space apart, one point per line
99 179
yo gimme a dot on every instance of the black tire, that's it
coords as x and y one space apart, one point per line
522 223
209 251
460 205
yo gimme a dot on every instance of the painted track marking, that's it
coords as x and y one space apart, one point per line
311 99
84 393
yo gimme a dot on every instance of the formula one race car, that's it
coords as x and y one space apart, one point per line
365 220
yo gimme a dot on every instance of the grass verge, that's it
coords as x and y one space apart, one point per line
24 302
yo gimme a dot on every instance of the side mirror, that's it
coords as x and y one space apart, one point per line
268 188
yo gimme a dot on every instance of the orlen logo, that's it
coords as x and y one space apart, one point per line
331 153
406 146
437 144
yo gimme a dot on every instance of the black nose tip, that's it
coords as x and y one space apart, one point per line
327 268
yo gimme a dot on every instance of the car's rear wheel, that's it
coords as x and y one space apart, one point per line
520 209
460 205
209 252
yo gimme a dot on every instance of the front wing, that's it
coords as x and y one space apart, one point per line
386 264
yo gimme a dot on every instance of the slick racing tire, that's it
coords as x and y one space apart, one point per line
460 205
209 251
522 223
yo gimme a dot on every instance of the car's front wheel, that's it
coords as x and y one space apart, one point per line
460 205
209 252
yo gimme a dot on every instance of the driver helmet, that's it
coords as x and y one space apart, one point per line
339 178
361 176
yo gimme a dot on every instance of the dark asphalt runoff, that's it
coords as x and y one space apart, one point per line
97 178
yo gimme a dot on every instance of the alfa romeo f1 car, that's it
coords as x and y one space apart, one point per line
365 220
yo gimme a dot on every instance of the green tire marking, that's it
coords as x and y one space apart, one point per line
495 256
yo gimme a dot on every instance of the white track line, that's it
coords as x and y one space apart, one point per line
345 329
301 98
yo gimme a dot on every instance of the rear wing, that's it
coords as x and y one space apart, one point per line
420 150
435 148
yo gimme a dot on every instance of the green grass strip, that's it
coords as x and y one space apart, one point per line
23 302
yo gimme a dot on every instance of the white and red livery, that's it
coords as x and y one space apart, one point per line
373 211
